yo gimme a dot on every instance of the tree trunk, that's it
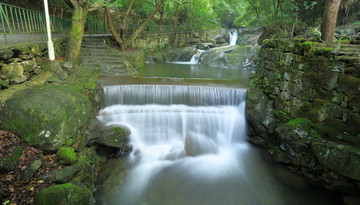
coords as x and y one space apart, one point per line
174 41
125 43
122 31
143 25
112 28
76 34
329 21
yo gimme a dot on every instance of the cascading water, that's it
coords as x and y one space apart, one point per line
194 59
233 37
188 147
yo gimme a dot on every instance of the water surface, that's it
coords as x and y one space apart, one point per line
189 144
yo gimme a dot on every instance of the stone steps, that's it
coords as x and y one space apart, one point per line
95 53
355 40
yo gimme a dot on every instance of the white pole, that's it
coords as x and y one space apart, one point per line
48 29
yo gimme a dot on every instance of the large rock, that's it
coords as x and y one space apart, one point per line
181 54
46 117
68 193
231 57
343 159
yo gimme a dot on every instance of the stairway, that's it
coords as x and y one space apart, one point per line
95 53
350 53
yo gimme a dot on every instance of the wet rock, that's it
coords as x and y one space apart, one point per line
68 193
115 137
232 57
181 54
46 117
260 112
343 159
351 200
196 144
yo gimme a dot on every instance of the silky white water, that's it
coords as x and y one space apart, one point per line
233 37
194 59
182 147
189 148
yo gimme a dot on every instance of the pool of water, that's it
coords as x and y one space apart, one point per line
189 143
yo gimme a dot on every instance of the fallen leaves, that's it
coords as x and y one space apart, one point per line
13 190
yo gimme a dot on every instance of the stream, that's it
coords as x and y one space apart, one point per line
189 143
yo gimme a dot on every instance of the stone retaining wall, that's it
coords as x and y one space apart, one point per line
304 107
19 64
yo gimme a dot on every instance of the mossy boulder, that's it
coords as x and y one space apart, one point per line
115 137
69 194
66 155
46 117
232 57
13 72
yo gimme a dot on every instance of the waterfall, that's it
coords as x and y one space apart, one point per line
194 59
186 140
233 37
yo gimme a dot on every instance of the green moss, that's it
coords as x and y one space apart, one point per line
324 51
315 134
69 194
46 117
309 44
66 155
281 115
304 122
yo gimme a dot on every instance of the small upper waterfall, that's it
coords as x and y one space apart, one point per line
194 59
233 37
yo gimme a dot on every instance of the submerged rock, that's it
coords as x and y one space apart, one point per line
46 117
231 57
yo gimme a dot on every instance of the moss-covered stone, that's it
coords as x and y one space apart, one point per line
66 155
9 164
13 72
341 158
115 137
46 117
69 194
